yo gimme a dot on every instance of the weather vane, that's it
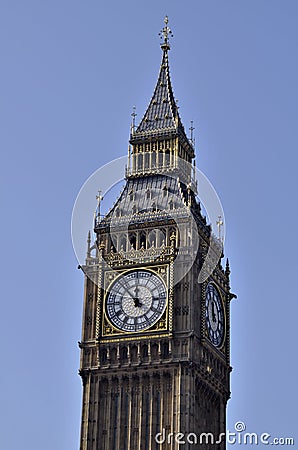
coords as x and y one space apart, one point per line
165 33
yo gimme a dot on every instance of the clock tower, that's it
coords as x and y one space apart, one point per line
155 361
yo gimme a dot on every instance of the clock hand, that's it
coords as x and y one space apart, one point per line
137 302
136 298
125 288
213 313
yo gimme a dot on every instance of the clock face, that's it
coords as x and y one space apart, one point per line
136 301
214 316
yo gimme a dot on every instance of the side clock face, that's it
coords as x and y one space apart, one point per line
214 316
136 301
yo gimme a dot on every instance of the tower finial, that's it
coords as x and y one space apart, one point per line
89 244
133 122
227 271
99 199
165 33
219 224
191 129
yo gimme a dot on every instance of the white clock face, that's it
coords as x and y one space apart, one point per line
214 316
136 301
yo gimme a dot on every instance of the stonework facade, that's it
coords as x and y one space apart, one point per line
155 341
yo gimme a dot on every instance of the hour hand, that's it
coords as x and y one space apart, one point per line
137 302
136 291
213 313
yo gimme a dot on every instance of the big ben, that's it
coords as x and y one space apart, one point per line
155 362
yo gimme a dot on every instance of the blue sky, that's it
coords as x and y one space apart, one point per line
71 72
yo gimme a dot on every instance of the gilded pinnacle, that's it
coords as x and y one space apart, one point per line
165 33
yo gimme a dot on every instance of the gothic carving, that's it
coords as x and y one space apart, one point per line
169 375
185 310
186 285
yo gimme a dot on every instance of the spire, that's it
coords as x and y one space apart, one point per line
227 271
162 113
89 244
159 143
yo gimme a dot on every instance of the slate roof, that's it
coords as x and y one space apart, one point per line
134 207
162 113
149 194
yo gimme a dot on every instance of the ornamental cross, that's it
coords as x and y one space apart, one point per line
166 31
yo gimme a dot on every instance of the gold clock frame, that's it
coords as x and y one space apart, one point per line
161 328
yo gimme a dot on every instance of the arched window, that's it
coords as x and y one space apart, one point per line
146 160
140 161
145 351
123 354
133 239
153 159
161 236
134 354
152 238
165 350
103 356
113 355
143 239
160 159
167 157
122 242
154 352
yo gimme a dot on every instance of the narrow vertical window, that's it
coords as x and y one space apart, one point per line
147 419
125 443
115 408
157 416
